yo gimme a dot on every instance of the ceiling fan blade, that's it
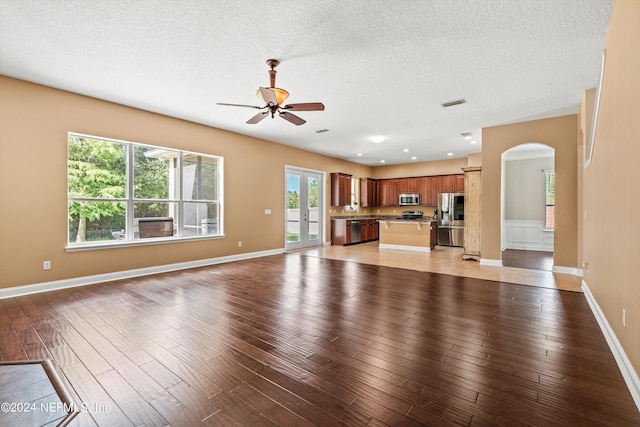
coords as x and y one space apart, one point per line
306 106
292 118
239 105
258 117
268 95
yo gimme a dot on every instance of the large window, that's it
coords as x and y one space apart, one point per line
549 199
122 191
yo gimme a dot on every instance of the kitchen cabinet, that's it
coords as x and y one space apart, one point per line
459 183
352 231
340 232
433 238
447 184
408 185
388 192
472 212
368 192
428 189
368 230
340 189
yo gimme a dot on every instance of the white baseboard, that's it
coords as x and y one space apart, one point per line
565 270
107 277
404 247
628 373
491 262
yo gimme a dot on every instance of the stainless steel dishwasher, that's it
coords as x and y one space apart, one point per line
355 231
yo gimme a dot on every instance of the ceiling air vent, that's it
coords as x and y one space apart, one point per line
452 103
321 130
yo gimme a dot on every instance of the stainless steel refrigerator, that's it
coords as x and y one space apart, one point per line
451 219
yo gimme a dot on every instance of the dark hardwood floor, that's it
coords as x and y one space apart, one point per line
533 260
297 340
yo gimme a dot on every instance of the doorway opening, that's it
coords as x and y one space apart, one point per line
528 207
304 207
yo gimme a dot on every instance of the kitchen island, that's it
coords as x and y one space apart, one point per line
408 234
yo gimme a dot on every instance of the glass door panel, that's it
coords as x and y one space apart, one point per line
304 217
293 208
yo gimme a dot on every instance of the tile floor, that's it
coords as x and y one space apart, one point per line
445 260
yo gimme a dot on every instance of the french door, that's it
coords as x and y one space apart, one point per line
304 201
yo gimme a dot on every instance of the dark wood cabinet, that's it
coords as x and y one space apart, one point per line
368 230
368 192
433 236
428 189
340 189
459 183
408 185
388 191
447 184
341 231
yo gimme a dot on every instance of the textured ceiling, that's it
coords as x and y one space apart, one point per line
380 67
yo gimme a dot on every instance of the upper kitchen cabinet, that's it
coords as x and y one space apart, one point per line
451 183
428 189
459 183
408 185
368 192
388 192
340 189
447 184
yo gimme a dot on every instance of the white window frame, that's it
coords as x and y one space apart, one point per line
129 200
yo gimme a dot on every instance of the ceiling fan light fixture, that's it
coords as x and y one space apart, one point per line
281 94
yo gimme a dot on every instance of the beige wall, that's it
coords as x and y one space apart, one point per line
524 188
560 133
611 197
440 167
34 121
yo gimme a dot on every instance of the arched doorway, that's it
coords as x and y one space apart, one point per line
528 206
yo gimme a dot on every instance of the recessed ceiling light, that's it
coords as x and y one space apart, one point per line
449 154
413 157
406 150
473 142
466 135
359 154
376 138
382 161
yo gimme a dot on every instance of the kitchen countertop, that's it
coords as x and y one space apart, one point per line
384 218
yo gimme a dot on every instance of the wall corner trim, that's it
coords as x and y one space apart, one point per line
17 291
628 373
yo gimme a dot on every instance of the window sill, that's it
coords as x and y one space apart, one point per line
138 242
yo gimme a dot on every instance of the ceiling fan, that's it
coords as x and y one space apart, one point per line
273 97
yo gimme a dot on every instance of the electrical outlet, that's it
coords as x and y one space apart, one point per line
267 211
239 243
624 317
46 265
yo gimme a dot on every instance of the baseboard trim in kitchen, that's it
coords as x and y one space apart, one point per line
491 262
565 270
626 368
404 247
17 291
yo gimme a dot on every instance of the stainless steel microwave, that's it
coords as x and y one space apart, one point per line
412 199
